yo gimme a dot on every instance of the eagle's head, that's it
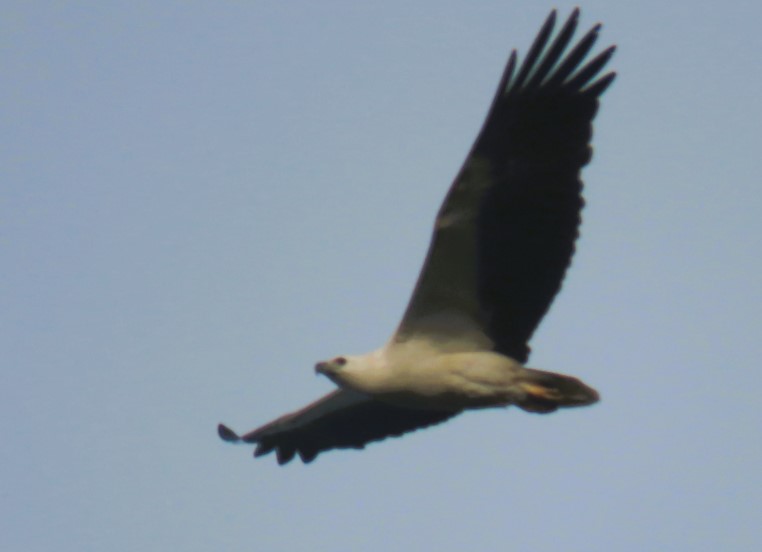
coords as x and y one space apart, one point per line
332 368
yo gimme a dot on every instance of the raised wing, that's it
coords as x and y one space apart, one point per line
342 419
505 233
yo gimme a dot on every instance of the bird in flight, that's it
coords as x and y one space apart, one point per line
502 242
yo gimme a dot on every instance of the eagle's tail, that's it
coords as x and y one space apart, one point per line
546 392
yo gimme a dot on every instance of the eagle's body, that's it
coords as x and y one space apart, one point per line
418 374
502 242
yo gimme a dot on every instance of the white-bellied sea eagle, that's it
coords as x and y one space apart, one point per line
502 241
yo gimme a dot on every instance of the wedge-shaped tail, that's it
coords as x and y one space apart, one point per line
548 391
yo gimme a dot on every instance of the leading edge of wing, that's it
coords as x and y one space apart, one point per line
341 419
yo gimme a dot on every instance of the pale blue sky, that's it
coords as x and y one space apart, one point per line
201 199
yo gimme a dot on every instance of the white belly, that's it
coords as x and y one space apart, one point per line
453 381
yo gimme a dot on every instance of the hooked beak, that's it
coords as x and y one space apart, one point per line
321 368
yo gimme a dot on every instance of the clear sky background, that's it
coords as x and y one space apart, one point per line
198 200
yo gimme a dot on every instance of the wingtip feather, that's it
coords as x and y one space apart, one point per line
227 434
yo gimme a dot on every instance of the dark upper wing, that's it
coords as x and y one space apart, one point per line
342 419
505 234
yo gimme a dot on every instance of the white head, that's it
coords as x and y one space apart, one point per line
331 368
351 371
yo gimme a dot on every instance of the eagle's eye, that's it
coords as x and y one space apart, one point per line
340 361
